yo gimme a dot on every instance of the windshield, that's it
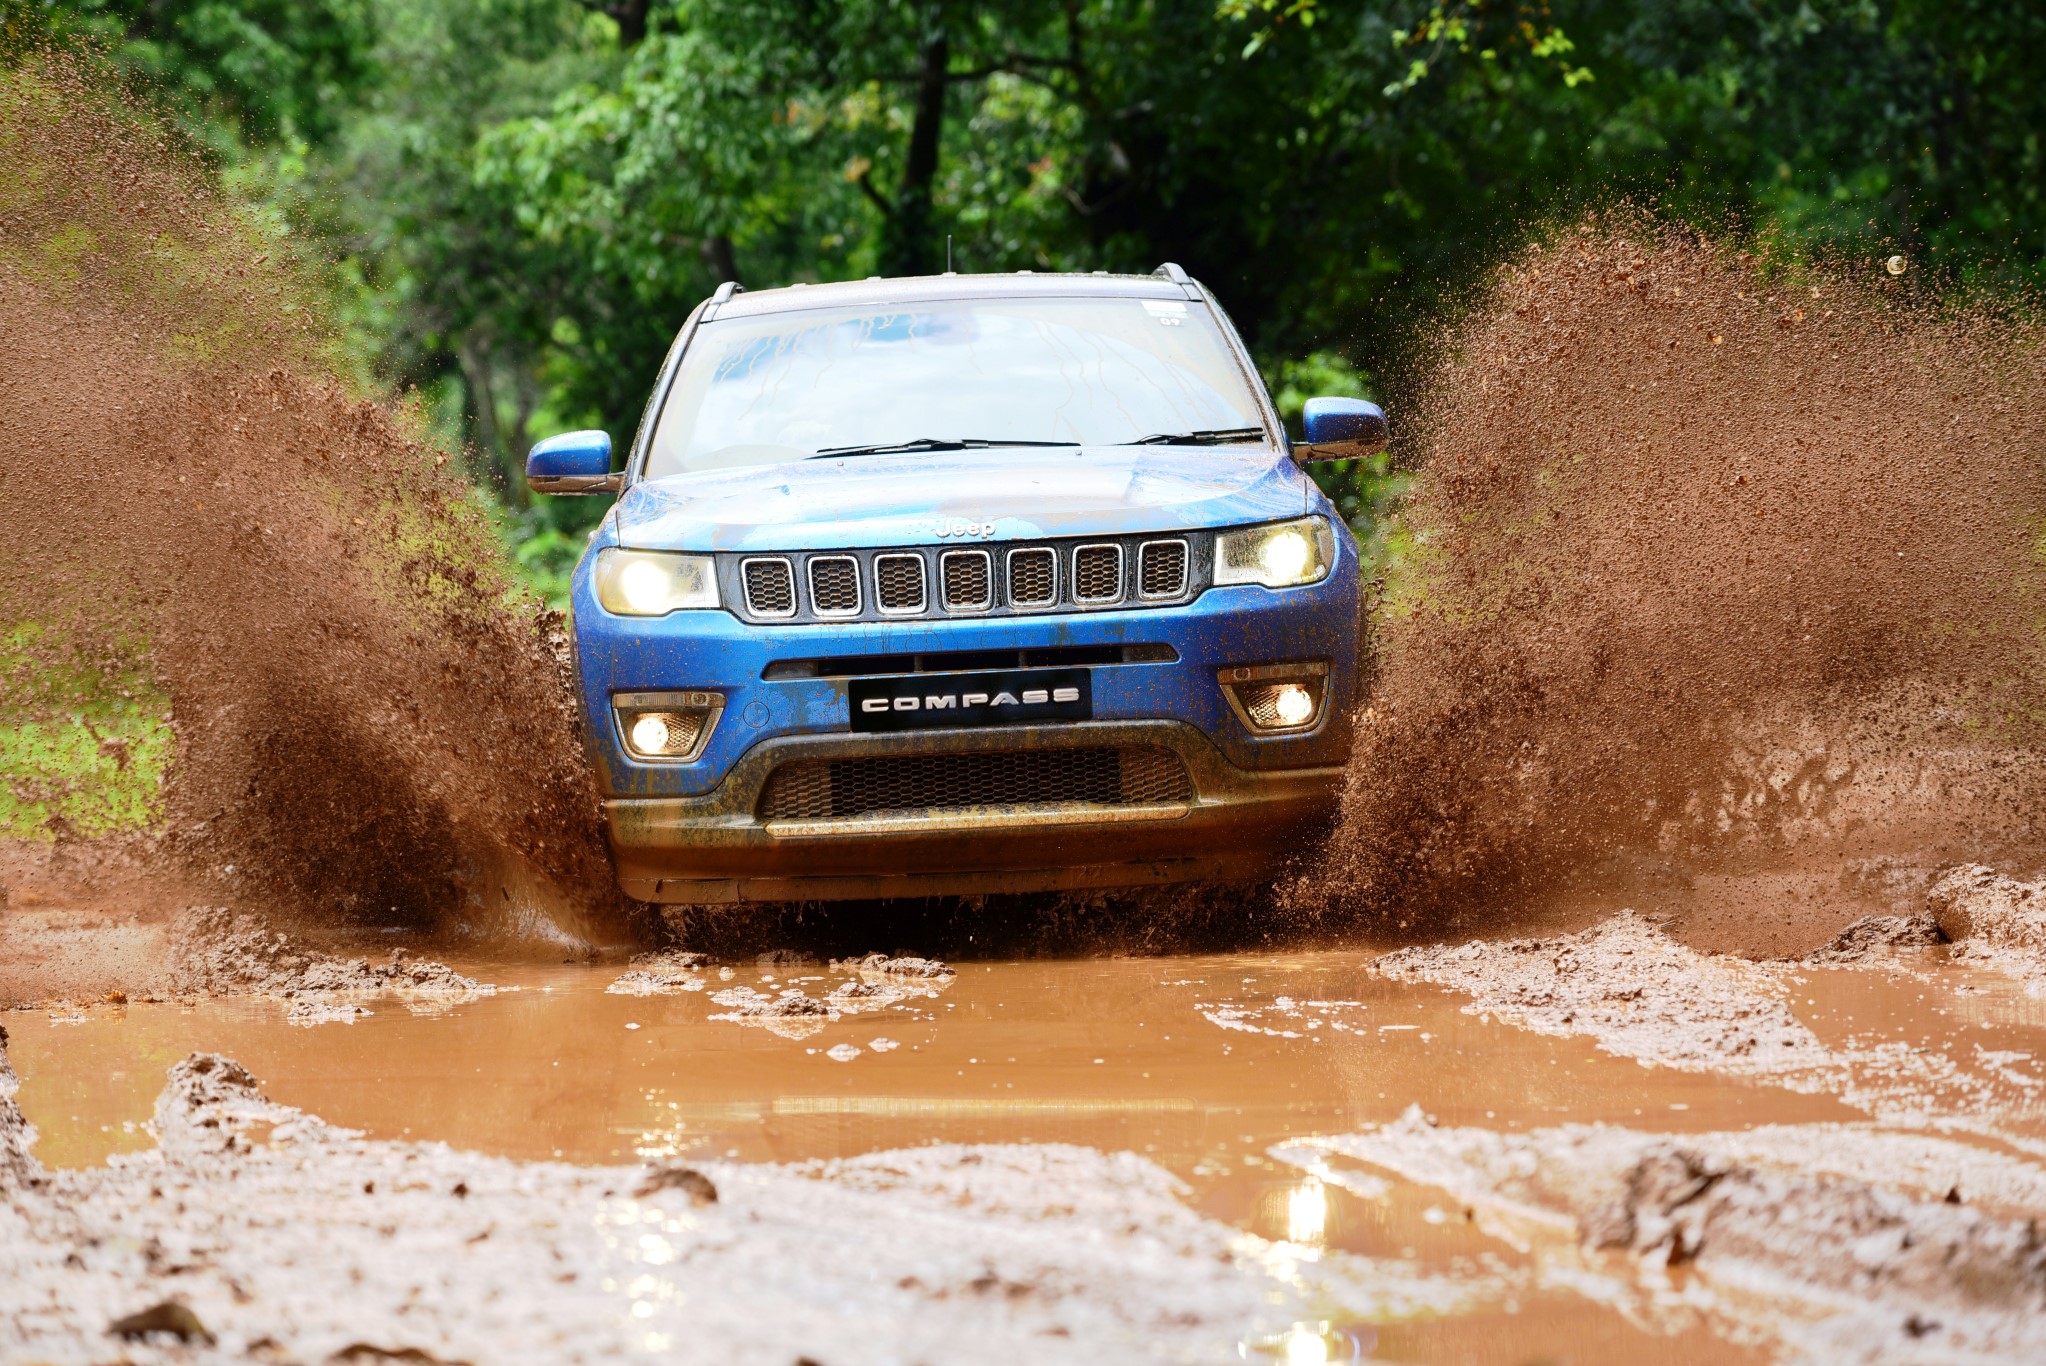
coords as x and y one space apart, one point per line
1093 371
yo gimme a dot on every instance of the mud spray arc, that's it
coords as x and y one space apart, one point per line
367 725
1706 567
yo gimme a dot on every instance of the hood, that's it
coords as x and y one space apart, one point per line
924 497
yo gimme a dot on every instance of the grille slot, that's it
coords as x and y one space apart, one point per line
770 588
1097 574
899 583
1161 569
969 580
835 586
1033 577
827 789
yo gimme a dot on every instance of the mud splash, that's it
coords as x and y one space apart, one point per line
216 549
1704 567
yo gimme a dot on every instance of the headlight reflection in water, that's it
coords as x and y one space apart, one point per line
1307 1212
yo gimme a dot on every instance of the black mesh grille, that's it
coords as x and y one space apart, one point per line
1033 578
770 588
1097 573
967 580
899 582
835 586
843 788
1161 569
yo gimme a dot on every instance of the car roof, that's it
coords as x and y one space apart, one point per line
922 288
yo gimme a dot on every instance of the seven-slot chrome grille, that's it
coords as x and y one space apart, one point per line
991 579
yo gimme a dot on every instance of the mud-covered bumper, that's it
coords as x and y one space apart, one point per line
724 846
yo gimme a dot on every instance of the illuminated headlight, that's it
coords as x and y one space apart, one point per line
1281 555
668 725
653 583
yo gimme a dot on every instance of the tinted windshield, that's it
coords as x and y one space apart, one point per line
1096 371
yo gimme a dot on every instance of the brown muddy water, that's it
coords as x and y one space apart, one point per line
1204 1065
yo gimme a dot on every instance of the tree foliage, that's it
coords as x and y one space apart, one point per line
240 71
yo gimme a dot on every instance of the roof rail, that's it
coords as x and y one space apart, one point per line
1171 271
725 292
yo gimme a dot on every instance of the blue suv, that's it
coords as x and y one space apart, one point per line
962 584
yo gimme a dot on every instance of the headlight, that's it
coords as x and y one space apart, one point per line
1281 555
653 583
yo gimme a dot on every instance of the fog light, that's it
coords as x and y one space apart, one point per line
666 725
1292 703
1269 698
650 733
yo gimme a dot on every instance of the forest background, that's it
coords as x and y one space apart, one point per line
514 203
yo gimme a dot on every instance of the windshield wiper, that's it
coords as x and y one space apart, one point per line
1213 436
930 443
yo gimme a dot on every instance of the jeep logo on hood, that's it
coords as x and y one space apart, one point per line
952 528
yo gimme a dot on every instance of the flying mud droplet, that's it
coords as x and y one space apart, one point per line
1896 265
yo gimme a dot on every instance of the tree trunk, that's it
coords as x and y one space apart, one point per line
517 441
631 17
486 456
717 253
909 236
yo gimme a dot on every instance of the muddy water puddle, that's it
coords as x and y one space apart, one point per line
1201 1064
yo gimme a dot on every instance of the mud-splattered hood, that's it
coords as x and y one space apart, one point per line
923 497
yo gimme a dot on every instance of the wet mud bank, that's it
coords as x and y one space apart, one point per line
1816 1242
280 1237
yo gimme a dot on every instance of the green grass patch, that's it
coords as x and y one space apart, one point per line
84 746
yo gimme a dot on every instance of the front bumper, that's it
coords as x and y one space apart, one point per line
717 848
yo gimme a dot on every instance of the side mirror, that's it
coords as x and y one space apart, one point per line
1341 429
574 462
